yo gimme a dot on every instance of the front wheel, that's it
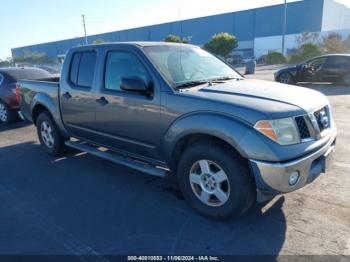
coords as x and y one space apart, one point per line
215 181
50 137
286 78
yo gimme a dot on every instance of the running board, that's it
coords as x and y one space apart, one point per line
116 158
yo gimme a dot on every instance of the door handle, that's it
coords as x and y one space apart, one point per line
102 101
67 95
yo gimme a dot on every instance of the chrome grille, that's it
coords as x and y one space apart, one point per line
322 118
302 127
311 126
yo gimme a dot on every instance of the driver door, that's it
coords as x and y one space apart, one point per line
128 121
313 70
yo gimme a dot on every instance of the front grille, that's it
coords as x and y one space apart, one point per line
302 127
322 118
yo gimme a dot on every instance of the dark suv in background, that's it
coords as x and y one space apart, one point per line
9 99
328 68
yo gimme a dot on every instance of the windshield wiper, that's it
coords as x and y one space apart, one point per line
224 78
209 81
191 84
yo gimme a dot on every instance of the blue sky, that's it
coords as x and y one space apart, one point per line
26 22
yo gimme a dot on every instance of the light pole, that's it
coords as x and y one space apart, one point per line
84 25
284 28
181 29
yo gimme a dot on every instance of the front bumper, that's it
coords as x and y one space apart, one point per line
273 178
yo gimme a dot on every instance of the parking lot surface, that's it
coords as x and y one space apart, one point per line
80 204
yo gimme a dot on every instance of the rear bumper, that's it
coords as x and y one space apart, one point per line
273 178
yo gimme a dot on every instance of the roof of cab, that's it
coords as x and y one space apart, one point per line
137 44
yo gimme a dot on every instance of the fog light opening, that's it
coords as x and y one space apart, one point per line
294 178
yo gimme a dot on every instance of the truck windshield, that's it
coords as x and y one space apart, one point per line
188 64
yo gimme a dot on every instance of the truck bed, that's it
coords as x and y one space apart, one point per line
30 89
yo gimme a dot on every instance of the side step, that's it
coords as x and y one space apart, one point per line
116 158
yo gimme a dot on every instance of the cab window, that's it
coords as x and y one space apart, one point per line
121 64
83 69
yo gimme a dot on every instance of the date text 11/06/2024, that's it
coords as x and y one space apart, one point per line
173 258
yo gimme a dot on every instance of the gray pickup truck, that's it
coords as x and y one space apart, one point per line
174 109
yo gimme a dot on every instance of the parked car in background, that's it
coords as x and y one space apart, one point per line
234 59
55 70
174 109
328 68
9 99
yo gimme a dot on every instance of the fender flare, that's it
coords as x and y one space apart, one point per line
222 126
52 107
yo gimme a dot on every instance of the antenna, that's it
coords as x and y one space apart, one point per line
84 25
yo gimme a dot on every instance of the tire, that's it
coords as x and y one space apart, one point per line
286 78
50 137
235 181
6 114
346 79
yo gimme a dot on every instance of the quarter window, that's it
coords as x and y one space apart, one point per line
340 60
123 64
83 69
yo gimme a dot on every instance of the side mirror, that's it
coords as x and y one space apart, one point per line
134 84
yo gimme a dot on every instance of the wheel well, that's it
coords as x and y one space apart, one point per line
36 112
188 140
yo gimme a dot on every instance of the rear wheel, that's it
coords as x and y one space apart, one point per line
6 114
215 181
286 78
50 137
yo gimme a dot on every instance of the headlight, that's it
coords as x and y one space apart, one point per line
283 131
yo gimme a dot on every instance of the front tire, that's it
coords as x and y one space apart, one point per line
6 114
50 137
215 181
286 78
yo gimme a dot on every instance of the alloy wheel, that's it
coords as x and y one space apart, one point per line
209 183
285 78
3 113
47 134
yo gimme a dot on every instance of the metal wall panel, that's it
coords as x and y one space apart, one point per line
246 25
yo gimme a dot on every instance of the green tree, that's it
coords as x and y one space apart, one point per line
6 63
307 38
221 44
333 43
177 39
274 58
99 41
33 58
305 52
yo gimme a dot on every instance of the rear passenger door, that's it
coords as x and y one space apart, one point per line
77 98
335 68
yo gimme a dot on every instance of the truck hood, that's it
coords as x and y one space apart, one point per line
273 99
